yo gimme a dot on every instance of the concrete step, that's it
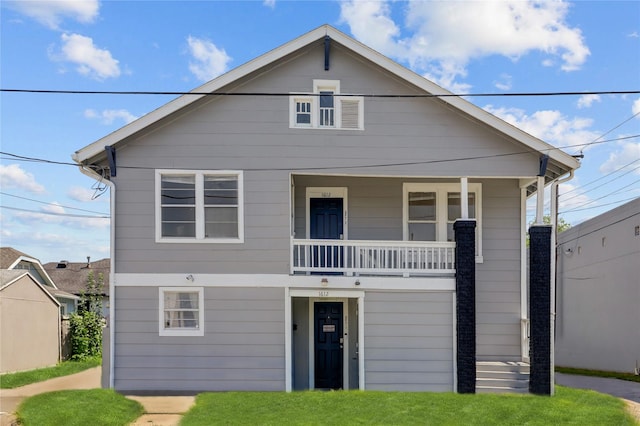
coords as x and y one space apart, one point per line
502 377
515 366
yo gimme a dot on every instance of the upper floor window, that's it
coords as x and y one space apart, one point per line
430 211
201 206
327 108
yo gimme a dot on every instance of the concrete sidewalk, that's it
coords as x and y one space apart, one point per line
159 410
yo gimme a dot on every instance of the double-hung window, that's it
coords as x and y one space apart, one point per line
431 209
326 108
181 311
199 206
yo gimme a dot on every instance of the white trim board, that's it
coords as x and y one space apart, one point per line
310 282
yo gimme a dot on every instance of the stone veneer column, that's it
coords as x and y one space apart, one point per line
540 309
466 304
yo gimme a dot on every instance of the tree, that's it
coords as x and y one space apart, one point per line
561 226
86 325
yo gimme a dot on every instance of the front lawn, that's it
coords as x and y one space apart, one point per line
79 408
568 406
14 380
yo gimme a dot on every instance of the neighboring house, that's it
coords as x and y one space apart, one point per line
598 292
73 277
322 221
29 323
13 259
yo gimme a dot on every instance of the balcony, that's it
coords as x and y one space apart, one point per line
360 257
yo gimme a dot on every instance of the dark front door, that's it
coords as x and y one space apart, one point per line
328 350
326 223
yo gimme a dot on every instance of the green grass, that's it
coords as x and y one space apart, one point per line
567 407
96 407
14 380
599 373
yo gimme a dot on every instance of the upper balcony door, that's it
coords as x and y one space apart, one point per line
326 220
326 223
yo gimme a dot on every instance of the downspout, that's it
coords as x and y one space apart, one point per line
112 253
554 238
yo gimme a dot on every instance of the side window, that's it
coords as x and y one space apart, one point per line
203 206
181 311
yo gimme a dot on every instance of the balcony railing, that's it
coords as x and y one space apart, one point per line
354 257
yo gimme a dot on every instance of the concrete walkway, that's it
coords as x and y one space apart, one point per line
159 410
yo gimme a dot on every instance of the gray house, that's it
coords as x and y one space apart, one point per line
319 217
598 287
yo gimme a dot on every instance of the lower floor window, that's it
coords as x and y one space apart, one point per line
181 311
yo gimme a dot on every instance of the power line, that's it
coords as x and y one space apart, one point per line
56 214
597 207
604 196
287 94
603 184
50 204
601 177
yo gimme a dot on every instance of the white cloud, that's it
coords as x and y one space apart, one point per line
585 101
633 34
269 3
504 83
55 214
79 193
635 108
91 61
108 116
14 177
627 153
448 35
51 13
208 61
551 126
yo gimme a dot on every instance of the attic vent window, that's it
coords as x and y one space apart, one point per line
326 108
62 264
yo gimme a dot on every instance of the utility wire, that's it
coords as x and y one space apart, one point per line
597 207
408 95
601 177
55 214
602 184
353 166
50 204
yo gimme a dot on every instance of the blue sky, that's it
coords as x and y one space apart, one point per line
53 212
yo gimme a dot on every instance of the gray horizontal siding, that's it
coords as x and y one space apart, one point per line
242 347
409 341
498 277
253 134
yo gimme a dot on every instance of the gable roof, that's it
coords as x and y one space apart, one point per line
10 257
12 276
559 163
72 276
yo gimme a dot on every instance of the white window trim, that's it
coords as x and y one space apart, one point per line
318 86
441 190
199 175
176 331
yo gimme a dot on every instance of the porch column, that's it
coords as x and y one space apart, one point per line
466 304
540 309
